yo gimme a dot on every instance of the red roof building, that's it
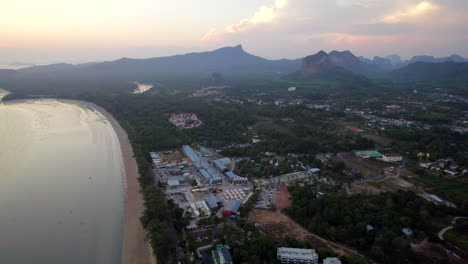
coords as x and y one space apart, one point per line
354 129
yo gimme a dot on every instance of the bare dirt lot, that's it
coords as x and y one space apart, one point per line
282 199
175 157
369 168
279 226
383 141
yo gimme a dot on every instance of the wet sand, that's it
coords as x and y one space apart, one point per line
135 250
62 184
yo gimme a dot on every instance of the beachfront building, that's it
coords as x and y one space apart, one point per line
297 255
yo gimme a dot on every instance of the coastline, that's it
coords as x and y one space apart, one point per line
135 248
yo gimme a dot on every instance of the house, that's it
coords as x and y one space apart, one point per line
314 170
393 107
407 231
287 119
232 208
451 173
354 129
297 255
435 198
221 255
425 165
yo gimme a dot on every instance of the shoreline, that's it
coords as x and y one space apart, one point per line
135 247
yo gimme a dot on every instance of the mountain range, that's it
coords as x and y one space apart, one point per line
236 61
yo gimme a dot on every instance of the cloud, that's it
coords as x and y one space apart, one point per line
213 35
367 27
382 29
265 14
414 11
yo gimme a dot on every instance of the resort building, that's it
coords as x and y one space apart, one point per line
297 255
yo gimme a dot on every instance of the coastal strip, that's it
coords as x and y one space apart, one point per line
135 248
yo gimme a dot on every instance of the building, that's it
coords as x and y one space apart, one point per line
392 157
192 155
212 202
185 120
232 208
233 178
368 154
297 255
220 164
331 261
221 255
157 161
173 183
205 152
354 129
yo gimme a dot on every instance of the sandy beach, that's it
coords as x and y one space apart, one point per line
135 250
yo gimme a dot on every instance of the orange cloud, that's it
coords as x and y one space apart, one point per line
349 39
265 14
414 11
213 35
5 45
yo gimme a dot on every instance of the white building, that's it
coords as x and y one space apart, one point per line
392 157
297 255
331 261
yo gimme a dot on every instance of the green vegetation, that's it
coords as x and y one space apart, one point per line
451 190
440 142
372 224
459 235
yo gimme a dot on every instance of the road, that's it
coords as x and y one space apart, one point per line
448 228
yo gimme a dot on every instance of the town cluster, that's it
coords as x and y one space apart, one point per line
185 120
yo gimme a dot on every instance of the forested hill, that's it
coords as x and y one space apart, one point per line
228 60
427 71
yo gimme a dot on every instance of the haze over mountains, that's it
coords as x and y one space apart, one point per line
235 61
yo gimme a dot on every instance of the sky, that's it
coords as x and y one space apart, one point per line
52 31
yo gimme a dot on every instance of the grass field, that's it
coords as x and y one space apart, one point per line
449 189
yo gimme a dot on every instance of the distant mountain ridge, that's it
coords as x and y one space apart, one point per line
232 61
427 71
223 59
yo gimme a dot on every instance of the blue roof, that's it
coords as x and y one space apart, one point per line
233 206
231 175
211 202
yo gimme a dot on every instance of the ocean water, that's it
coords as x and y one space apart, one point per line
61 185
